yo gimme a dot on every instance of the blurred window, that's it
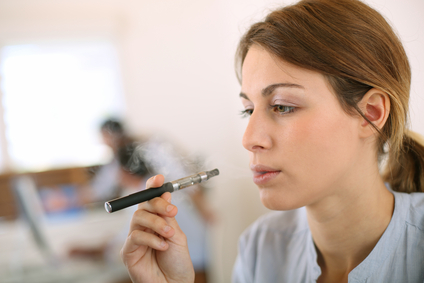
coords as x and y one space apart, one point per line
54 97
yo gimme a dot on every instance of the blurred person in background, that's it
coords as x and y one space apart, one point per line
105 183
131 171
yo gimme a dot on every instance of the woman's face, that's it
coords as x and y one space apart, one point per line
303 147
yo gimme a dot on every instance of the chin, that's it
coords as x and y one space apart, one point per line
277 200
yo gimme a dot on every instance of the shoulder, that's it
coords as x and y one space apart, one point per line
415 209
399 254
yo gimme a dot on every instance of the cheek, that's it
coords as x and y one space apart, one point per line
320 142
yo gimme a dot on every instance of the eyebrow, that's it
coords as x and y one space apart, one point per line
269 89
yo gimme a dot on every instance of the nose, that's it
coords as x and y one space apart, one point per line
257 134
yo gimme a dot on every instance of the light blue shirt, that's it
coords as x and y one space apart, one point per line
279 247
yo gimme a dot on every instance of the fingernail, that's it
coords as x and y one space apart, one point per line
169 208
166 229
162 244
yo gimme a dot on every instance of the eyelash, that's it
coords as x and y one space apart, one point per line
286 109
246 113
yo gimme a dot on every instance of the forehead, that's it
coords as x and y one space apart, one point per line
261 68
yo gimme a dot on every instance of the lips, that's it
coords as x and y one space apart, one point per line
263 174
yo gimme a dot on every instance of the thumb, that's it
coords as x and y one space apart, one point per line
155 181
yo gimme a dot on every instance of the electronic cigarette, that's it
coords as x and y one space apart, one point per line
141 196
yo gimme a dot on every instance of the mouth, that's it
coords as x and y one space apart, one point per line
263 174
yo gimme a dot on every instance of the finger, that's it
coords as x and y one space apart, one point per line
167 196
141 239
178 233
155 181
146 220
159 205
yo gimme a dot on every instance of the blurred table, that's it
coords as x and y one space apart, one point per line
21 260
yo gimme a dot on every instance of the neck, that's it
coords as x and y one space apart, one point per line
346 227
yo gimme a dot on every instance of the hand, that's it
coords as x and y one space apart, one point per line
156 248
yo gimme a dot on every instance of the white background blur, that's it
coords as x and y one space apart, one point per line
175 63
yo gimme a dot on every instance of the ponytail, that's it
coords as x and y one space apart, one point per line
405 172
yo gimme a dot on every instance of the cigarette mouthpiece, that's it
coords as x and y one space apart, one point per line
139 197
212 173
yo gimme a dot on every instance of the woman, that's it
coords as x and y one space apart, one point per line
326 86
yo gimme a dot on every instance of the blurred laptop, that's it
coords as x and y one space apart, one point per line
53 267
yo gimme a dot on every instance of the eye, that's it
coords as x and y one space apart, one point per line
246 113
283 109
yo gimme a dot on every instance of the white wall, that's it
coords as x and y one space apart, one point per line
179 80
407 17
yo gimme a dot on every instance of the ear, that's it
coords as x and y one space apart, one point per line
375 105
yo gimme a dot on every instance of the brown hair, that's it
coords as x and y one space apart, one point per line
356 50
